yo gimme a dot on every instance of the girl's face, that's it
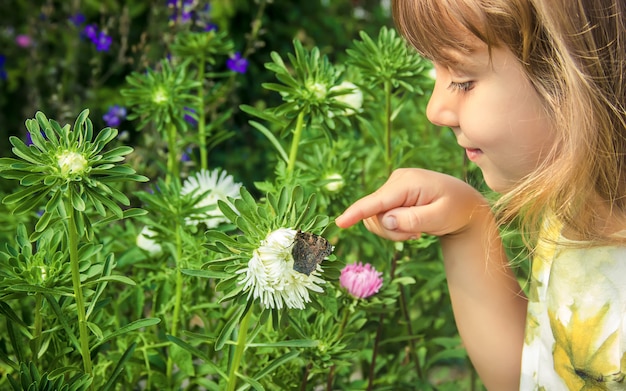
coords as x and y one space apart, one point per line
494 111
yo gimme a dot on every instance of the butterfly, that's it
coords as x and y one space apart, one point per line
308 251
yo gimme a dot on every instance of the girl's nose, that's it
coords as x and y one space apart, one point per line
442 106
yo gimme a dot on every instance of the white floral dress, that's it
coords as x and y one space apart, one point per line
576 323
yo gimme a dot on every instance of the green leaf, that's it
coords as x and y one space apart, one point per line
41 289
114 278
227 210
7 311
127 214
26 193
107 269
206 273
183 359
276 363
198 353
270 136
25 152
109 204
77 201
292 343
61 318
116 154
104 136
255 384
227 331
135 325
95 329
119 367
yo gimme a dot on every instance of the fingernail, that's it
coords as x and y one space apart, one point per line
390 222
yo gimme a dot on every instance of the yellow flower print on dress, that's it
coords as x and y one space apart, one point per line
584 358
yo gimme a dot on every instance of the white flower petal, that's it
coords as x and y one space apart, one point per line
220 186
270 278
146 242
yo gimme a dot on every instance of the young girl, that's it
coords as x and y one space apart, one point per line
534 91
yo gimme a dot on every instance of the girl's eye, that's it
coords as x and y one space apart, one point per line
463 87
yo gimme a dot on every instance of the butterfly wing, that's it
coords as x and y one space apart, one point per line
308 251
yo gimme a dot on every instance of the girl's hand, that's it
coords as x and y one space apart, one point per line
415 201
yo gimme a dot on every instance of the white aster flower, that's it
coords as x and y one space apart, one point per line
270 277
221 186
146 242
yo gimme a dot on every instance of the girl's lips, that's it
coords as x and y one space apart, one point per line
473 153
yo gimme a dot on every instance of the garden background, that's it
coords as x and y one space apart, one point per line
132 233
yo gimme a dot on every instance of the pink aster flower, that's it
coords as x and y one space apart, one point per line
23 40
361 281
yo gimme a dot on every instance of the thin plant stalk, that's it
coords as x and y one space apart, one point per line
78 289
239 349
379 330
172 162
38 325
342 326
178 296
297 135
388 127
202 117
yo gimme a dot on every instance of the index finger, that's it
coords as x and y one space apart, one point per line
367 206
383 200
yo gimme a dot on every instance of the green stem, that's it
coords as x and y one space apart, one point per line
78 289
38 327
178 298
172 161
202 118
344 321
379 330
388 120
240 347
297 135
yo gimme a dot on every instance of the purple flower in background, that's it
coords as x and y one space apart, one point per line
190 116
23 40
210 27
236 63
186 156
103 42
114 116
185 16
99 38
3 72
91 32
29 139
77 19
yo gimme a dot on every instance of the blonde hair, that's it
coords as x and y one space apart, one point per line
574 54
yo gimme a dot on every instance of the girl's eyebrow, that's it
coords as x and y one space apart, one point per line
467 57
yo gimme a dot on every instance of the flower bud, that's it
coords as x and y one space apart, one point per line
71 163
318 90
335 182
353 99
159 96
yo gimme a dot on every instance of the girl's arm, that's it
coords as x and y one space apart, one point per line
488 303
